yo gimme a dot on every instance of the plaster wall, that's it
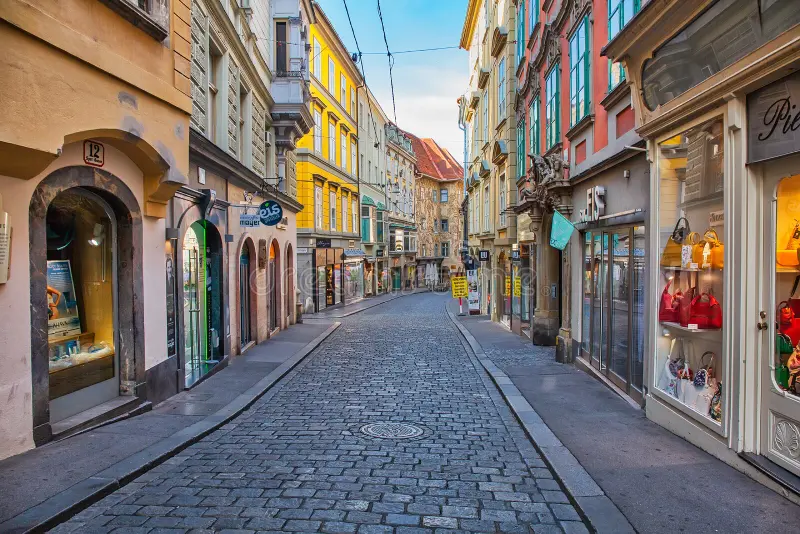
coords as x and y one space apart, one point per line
15 380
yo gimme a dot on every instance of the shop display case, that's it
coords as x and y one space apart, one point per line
690 363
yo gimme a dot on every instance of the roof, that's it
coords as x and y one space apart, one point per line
434 161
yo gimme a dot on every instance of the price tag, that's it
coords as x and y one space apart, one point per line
692 327
693 266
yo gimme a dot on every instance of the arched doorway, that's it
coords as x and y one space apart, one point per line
274 287
202 300
85 281
247 328
289 283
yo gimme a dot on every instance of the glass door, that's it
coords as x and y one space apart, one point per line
244 297
598 293
192 284
780 384
619 300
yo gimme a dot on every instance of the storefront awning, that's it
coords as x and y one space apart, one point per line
354 253
367 201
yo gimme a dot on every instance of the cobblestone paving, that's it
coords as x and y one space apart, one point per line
296 461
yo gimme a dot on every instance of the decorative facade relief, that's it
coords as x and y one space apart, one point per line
785 438
199 65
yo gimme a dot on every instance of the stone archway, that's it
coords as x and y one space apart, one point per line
274 280
129 284
289 285
247 292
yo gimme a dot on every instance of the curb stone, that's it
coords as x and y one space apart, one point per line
601 513
62 505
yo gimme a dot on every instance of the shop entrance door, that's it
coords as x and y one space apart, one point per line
244 297
780 391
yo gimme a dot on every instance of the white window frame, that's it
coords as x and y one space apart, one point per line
486 209
344 213
318 213
353 160
332 210
501 90
331 140
344 150
354 214
317 131
502 196
331 75
352 101
317 59
443 195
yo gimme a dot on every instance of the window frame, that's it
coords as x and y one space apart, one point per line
502 201
444 195
520 36
486 209
343 140
521 146
535 126
317 62
444 224
354 213
553 107
501 90
331 140
533 16
332 210
319 207
353 158
580 72
485 113
616 10
317 131
331 75
345 212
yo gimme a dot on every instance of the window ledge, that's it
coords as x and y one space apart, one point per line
622 90
582 125
500 124
139 18
532 35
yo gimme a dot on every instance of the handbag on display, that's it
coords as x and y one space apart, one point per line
783 344
668 307
788 257
709 251
668 380
715 408
705 396
782 376
793 302
671 256
793 367
705 313
685 306
687 249
788 324
706 372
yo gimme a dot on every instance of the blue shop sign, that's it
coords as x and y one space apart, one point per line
270 213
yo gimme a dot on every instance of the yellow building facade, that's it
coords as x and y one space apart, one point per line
330 267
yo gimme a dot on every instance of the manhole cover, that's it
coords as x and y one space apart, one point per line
392 430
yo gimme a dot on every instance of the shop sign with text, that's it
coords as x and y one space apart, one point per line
773 119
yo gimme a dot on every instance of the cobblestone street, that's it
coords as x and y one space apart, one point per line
298 462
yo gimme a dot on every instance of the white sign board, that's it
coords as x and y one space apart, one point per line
474 295
249 220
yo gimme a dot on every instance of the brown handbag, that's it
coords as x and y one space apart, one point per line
671 256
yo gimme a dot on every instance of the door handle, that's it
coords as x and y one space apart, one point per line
762 325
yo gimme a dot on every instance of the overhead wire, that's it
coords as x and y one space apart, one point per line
391 61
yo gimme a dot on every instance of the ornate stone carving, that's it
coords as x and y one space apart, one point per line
786 440
551 40
578 7
547 169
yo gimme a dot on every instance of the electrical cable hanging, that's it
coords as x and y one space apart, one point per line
391 61
363 71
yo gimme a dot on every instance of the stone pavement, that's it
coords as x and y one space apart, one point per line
659 481
297 460
347 310
43 482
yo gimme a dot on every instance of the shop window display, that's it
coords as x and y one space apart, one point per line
81 296
786 362
690 363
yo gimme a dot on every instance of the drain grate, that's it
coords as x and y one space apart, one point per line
392 430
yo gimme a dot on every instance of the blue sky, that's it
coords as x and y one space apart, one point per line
426 84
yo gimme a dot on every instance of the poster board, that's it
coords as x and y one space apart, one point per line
62 316
458 286
474 295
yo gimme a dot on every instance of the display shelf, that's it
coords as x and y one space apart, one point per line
715 332
702 201
686 270
793 270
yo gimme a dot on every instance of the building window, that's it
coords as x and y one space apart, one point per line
474 137
214 64
434 193
318 207
501 90
535 132
422 223
343 153
436 226
579 73
446 249
331 140
445 224
486 209
502 201
620 12
317 132
353 169
485 118
443 195
552 124
245 126
521 32
332 208
343 90
281 50
435 249
424 251
521 147
331 76
354 214
344 213
317 60
352 101
534 16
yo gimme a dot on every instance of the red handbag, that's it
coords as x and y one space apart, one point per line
705 313
793 302
668 308
685 306
788 324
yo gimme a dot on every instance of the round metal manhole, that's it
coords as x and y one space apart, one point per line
392 430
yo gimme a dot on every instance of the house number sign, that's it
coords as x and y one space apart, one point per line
94 153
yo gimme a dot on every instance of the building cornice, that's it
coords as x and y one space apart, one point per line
325 27
470 23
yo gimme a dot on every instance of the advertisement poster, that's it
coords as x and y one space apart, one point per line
458 286
474 295
62 313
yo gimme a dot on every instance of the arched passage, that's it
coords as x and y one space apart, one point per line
95 236
274 286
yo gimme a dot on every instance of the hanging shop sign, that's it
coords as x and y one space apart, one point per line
517 286
459 287
5 244
515 255
270 213
323 243
561 231
483 255
773 120
94 153
249 220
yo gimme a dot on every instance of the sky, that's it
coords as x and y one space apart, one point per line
426 84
